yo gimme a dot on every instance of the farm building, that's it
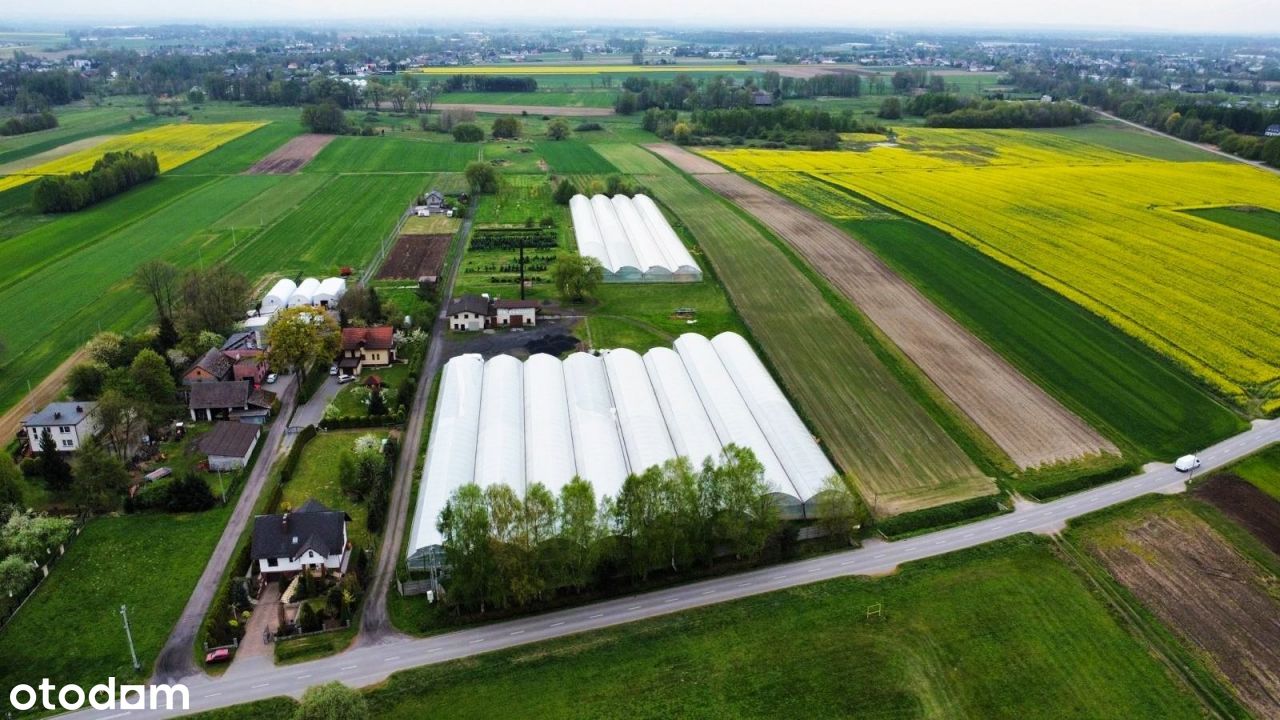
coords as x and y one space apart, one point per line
307 290
605 417
472 313
277 298
631 239
230 444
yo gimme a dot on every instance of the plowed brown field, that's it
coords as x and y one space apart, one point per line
1208 594
290 157
415 256
1030 426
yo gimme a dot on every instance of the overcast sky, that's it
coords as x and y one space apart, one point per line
1181 16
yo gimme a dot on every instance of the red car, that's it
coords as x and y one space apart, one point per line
220 655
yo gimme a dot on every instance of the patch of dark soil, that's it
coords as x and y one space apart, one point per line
1248 506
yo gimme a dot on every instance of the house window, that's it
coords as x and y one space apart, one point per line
270 562
67 443
64 429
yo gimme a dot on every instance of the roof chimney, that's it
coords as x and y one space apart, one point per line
57 414
79 408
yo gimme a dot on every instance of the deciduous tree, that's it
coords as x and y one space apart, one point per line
577 277
332 701
300 336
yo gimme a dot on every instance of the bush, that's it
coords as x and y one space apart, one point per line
468 133
189 493
30 467
589 127
942 515
1045 488
223 625
22 124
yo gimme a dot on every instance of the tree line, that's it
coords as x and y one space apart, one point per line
111 175
489 83
777 126
23 124
506 551
826 85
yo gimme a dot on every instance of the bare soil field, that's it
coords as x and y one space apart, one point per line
292 156
1245 504
44 393
552 110
686 161
1030 426
1208 594
414 256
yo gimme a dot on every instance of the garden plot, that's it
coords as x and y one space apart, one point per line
415 256
291 156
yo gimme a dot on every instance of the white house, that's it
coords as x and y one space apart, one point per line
311 538
70 423
230 444
468 313
515 313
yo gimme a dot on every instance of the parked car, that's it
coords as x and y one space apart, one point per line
333 369
1186 463
220 655
271 378
345 378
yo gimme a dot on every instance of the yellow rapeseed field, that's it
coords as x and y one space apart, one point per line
1100 226
173 145
539 69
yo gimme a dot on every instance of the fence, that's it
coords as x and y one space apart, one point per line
44 571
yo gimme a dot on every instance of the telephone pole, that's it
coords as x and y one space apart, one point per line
124 613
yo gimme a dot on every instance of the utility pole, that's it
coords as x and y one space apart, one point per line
522 266
124 613
222 488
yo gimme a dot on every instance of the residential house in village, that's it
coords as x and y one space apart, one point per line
367 347
70 424
470 313
311 538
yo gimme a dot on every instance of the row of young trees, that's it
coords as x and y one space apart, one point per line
508 551
111 175
23 124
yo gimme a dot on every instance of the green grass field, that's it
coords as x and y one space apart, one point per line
572 157
1262 470
317 477
1123 138
1259 221
340 224
1002 631
1137 399
549 94
240 154
392 154
875 428
70 630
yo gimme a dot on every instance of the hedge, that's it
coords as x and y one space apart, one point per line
346 422
217 629
941 515
1052 488
291 460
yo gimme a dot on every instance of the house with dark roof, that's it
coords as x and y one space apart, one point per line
470 313
370 346
234 400
69 423
311 538
230 444
514 313
1272 130
213 366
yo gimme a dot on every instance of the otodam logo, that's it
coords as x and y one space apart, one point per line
103 696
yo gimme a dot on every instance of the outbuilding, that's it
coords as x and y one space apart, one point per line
515 313
230 444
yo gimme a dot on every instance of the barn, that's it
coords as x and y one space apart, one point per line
631 239
602 418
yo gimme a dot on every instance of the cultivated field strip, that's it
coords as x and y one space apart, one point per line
685 160
875 430
1028 424
292 156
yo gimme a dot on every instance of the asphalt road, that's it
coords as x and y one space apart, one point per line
370 664
175 660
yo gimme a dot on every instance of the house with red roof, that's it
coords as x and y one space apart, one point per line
367 347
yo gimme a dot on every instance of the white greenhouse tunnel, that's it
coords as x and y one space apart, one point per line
604 417
631 239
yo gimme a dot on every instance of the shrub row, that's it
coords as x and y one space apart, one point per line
1048 488
346 422
941 515
512 238
307 434
22 124
111 175
223 625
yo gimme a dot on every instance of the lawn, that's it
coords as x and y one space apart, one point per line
349 403
1138 399
433 225
626 313
317 477
70 630
1259 221
571 156
549 94
1001 631
873 426
392 154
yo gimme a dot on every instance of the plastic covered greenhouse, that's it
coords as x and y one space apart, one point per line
631 239
604 417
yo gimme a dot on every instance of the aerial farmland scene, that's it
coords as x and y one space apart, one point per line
698 360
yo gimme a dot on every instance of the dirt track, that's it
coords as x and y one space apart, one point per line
1206 592
1028 424
292 156
47 391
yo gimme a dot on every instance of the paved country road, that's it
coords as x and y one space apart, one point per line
370 664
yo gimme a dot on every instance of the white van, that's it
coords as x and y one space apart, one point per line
1186 463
